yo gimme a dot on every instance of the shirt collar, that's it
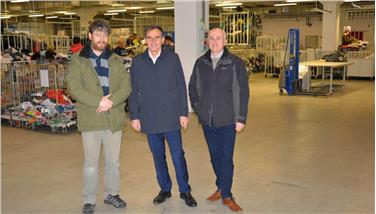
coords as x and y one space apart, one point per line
216 56
154 58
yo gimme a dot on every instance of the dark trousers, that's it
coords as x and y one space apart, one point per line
221 143
157 147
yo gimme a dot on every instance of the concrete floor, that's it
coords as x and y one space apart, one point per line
297 155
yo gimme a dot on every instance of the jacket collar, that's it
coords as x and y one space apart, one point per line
85 52
208 54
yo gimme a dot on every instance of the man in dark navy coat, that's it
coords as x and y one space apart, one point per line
158 107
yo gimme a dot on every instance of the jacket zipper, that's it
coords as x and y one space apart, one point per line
211 103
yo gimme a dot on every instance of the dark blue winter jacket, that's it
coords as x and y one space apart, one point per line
219 96
159 93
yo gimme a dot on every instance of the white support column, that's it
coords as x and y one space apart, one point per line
191 23
330 26
86 17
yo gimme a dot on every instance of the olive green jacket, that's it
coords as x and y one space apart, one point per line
83 83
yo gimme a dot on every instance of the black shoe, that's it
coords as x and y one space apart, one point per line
161 197
188 198
115 200
88 208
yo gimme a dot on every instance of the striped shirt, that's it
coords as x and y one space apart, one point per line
100 63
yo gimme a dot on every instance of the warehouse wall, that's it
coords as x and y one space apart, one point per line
280 26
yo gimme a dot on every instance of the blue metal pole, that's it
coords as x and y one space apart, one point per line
292 76
297 39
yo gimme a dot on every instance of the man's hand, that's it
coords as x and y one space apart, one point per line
239 126
105 104
184 122
136 125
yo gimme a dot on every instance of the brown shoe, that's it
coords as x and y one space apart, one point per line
232 204
215 196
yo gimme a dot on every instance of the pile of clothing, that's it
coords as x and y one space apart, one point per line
49 55
51 108
12 54
257 63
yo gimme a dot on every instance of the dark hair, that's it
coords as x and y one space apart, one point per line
100 25
168 38
76 40
153 28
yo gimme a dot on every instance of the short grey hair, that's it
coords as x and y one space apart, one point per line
217 28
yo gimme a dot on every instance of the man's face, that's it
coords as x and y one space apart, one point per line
99 40
154 40
216 40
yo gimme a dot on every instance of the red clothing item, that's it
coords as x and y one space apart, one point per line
58 95
76 47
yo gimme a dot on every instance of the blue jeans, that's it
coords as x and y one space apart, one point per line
157 147
221 143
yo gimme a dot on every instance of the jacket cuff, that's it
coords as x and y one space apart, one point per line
194 107
134 117
241 121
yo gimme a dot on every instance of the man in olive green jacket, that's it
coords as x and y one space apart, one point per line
97 79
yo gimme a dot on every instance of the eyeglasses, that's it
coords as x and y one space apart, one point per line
103 35
218 38
149 38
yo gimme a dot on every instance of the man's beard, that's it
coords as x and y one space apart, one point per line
99 46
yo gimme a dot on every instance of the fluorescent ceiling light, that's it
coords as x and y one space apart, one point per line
230 7
69 13
36 15
298 0
355 5
320 10
165 8
351 0
162 1
146 11
133 8
116 11
5 17
284 4
117 5
51 17
18 1
111 14
61 12
70 18
229 4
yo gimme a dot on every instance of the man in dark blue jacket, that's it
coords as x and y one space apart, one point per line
158 107
219 93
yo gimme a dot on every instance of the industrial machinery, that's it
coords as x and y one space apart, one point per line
289 79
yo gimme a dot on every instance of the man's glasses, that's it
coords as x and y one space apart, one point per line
149 38
103 35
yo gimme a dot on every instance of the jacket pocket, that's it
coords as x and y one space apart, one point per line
117 117
89 119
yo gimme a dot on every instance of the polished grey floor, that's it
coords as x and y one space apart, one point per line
297 155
